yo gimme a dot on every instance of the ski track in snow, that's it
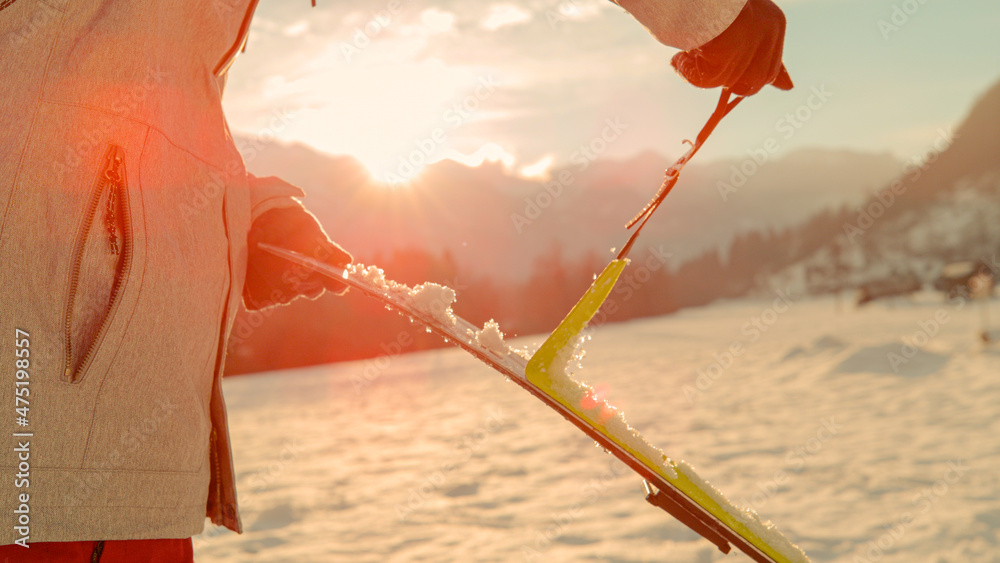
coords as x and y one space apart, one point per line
852 454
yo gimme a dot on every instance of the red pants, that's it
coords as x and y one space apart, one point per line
111 551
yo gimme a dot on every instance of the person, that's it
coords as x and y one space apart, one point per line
736 44
128 233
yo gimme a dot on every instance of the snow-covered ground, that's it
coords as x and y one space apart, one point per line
869 435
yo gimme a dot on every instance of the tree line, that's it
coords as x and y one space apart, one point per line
353 327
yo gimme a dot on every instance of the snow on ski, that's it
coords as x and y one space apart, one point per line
672 486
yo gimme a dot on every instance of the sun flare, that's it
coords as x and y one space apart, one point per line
392 113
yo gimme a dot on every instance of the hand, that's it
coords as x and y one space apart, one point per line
745 57
272 280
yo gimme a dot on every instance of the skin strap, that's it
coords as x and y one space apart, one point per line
673 173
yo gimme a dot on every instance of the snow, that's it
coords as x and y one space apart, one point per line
428 298
441 459
762 529
491 338
434 299
618 427
597 409
960 224
372 274
602 413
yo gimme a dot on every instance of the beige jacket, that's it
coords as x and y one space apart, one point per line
124 212
684 24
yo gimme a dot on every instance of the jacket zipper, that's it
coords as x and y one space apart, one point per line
111 179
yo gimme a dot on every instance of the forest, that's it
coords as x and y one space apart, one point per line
352 327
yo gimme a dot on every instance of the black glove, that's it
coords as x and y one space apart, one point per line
272 280
745 57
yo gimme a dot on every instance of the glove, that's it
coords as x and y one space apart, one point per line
745 57
272 280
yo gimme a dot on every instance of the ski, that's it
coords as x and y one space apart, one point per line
674 487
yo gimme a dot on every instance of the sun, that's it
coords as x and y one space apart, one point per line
396 117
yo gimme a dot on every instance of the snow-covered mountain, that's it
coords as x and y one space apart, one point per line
944 208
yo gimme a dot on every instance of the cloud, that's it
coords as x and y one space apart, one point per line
539 169
575 10
437 21
502 15
488 152
296 29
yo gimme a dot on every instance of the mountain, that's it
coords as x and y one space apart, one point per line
944 208
973 154
496 223
521 251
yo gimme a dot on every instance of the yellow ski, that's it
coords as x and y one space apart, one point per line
674 487
713 516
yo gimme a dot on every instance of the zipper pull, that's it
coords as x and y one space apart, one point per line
112 171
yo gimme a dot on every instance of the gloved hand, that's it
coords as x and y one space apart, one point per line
745 57
272 280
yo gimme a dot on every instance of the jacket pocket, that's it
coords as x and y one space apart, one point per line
102 256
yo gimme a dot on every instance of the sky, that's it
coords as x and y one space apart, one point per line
536 83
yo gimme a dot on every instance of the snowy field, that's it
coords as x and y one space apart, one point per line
857 445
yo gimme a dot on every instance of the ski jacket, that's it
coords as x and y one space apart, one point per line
124 213
684 24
